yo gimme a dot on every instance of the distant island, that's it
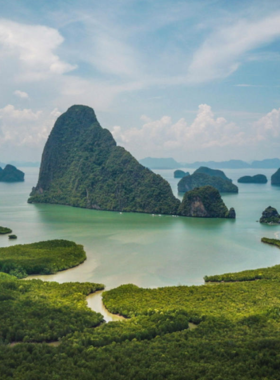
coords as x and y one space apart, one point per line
258 178
11 174
212 172
205 202
170 163
270 216
198 179
275 178
180 174
5 230
83 167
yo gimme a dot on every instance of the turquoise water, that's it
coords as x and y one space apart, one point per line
145 250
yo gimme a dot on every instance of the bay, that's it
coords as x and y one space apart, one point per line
149 251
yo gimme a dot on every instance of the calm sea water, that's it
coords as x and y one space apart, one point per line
145 250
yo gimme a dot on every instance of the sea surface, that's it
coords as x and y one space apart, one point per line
149 251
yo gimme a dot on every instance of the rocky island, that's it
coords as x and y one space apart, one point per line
270 216
180 174
205 202
5 230
212 172
275 178
11 174
201 179
83 167
258 178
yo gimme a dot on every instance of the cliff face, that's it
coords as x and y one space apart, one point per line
275 178
205 202
258 178
82 166
201 179
11 174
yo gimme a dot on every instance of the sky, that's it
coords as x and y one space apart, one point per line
193 80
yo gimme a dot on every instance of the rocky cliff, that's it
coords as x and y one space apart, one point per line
82 166
205 202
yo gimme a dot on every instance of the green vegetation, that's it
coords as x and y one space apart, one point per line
205 202
40 258
275 178
180 174
258 178
11 174
12 237
5 230
201 179
37 311
237 334
270 216
82 166
212 172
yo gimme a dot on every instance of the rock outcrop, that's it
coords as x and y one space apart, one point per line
201 179
180 174
11 174
82 167
270 216
258 178
275 178
205 202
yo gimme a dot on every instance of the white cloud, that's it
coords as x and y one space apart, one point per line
24 127
21 94
163 135
222 52
268 127
33 46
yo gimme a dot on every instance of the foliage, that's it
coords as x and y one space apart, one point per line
36 311
201 179
180 174
258 178
5 230
83 167
40 258
11 174
204 202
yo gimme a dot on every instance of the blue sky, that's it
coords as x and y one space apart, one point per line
195 80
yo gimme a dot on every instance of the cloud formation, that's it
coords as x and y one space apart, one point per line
21 94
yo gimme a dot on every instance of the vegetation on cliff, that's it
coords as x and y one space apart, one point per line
205 202
258 178
82 166
40 258
212 172
180 174
201 179
11 174
5 230
275 178
270 216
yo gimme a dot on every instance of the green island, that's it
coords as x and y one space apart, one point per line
212 172
45 257
83 167
5 230
11 174
258 178
202 179
275 178
236 336
270 216
205 202
180 174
